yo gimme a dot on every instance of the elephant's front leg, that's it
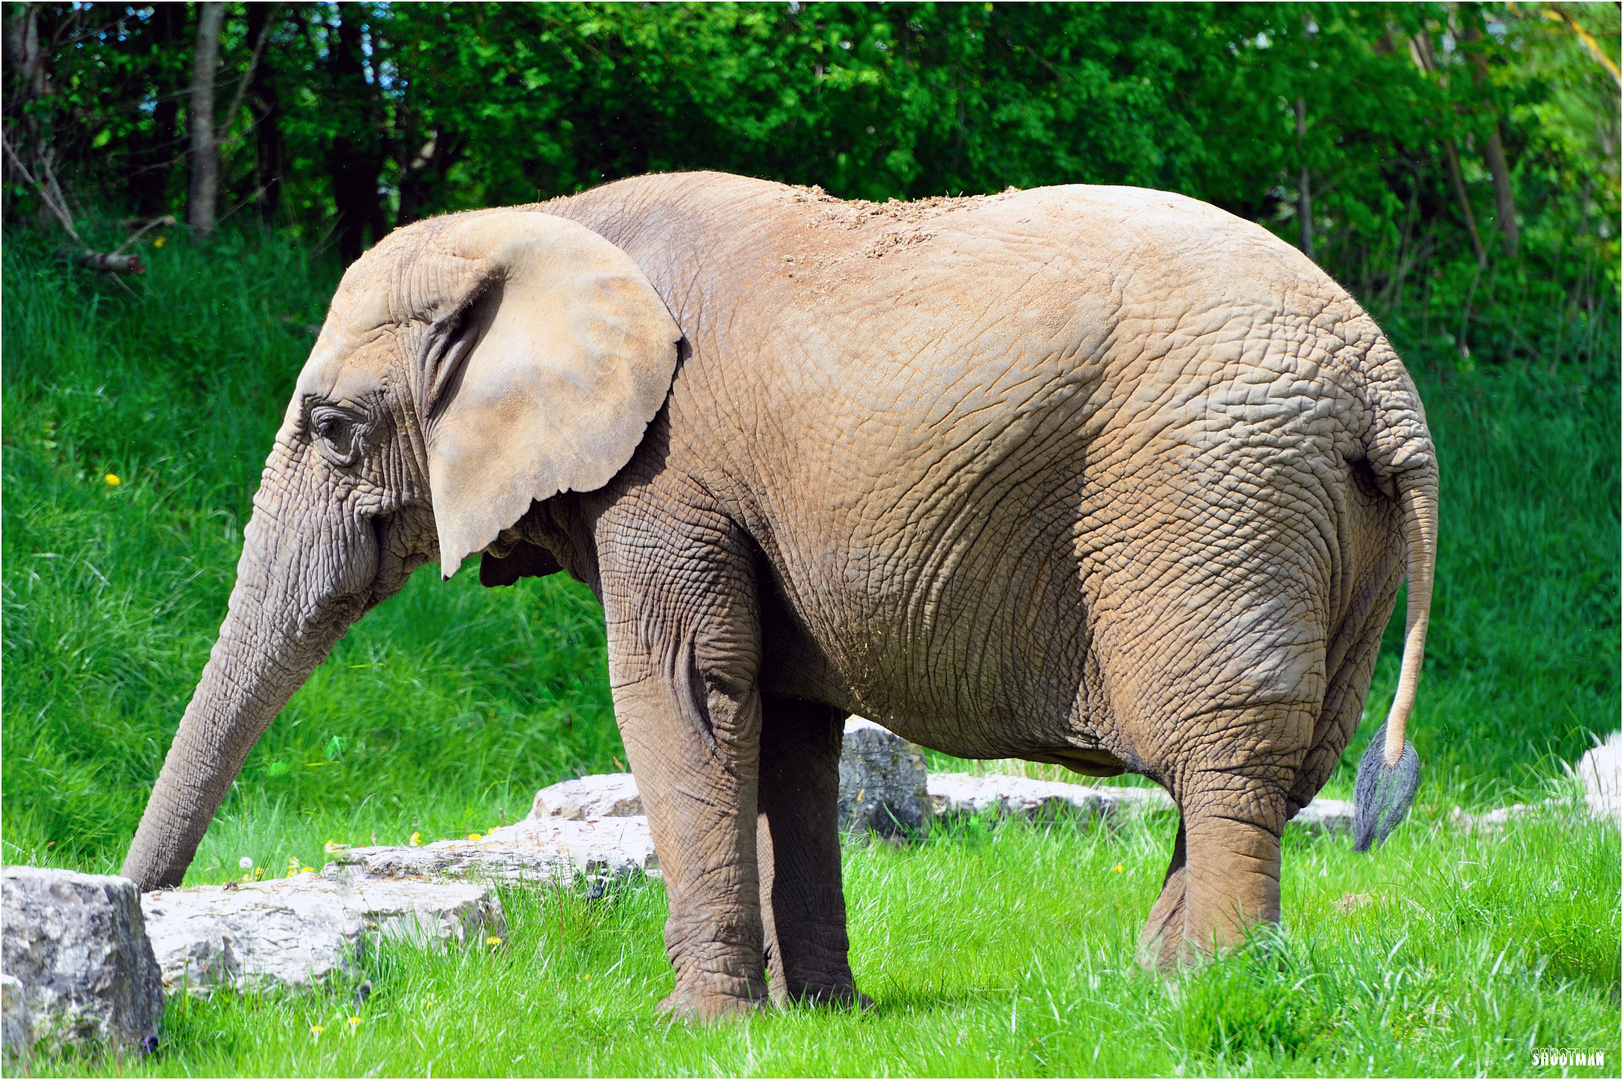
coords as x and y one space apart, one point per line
684 648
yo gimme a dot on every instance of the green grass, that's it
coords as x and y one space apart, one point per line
444 710
1010 952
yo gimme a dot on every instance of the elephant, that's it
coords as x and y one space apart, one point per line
1097 476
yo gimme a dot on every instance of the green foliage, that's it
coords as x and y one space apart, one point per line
364 115
1009 951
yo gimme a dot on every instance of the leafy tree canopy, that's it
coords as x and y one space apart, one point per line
1429 146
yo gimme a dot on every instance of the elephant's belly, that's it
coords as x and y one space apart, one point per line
977 647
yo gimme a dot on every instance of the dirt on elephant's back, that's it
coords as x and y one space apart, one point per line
887 227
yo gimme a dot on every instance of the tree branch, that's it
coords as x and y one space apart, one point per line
1556 14
247 77
50 192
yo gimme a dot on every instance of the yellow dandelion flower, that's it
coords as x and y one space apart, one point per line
1117 868
474 836
159 241
416 839
493 941
316 1029
354 1020
308 870
112 480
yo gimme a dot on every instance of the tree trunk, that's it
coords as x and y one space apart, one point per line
269 148
355 157
25 59
1504 199
26 83
1451 157
1426 61
158 151
1304 196
205 188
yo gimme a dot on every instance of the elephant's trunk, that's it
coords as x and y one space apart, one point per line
297 591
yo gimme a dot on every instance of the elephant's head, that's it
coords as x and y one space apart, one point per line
469 365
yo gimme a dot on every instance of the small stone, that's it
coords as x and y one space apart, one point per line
605 795
79 967
1601 771
1354 901
1490 820
883 783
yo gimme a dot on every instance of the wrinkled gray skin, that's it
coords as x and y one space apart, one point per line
1097 476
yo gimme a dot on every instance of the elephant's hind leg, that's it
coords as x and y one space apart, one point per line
798 846
1224 876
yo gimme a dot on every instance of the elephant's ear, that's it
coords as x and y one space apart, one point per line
546 377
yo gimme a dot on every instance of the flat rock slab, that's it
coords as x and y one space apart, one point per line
1601 771
1495 820
1002 795
301 931
537 851
1051 800
79 968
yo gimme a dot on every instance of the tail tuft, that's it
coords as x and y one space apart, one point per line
1383 793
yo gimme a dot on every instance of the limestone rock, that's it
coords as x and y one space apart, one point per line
1601 771
1013 796
14 1025
1325 816
1490 820
606 795
301 931
1002 795
78 965
882 782
536 850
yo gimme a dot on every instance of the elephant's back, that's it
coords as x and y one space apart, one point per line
803 240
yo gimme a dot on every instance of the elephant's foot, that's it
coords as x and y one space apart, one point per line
708 1006
1223 881
1161 943
826 997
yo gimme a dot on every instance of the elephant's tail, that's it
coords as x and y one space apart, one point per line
1389 773
1419 501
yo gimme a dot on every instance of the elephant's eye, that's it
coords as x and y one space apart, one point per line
331 428
339 434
